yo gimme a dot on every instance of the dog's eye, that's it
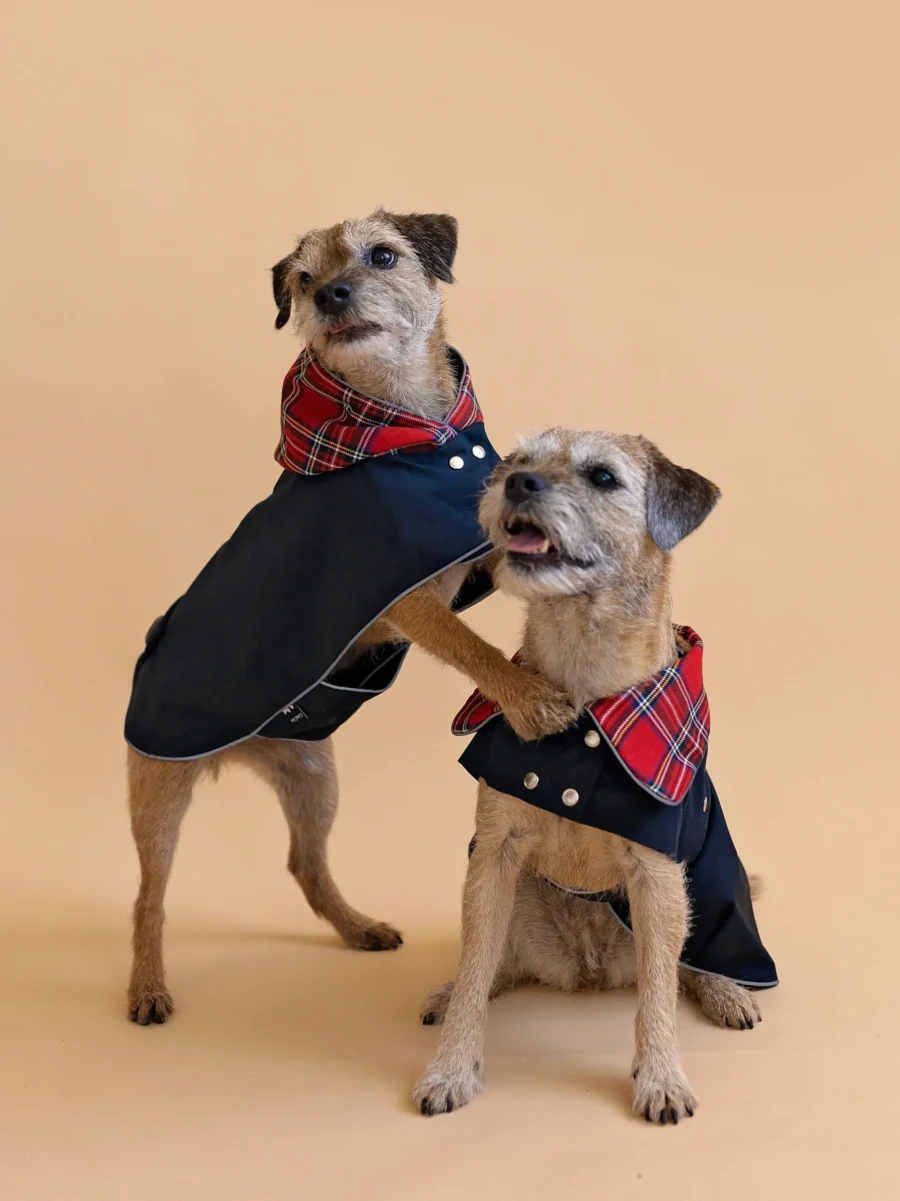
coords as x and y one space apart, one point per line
602 478
382 256
305 279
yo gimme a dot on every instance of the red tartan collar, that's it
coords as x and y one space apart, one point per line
659 729
327 425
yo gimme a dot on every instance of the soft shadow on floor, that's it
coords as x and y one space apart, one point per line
247 1000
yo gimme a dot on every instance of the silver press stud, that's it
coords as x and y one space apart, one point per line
592 738
570 797
479 452
457 463
531 780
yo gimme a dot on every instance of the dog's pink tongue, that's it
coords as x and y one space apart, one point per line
527 542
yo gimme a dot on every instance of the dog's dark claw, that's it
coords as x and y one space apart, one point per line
689 1111
424 1108
449 1108
428 1019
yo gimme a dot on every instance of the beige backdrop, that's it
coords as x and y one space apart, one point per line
674 219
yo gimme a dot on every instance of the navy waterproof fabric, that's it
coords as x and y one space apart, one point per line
723 937
306 571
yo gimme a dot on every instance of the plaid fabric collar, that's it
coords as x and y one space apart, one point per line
659 730
327 425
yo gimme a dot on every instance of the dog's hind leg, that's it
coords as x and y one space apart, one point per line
434 1007
304 777
159 793
723 1001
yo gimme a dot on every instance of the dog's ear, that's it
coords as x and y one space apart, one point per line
678 500
281 292
433 236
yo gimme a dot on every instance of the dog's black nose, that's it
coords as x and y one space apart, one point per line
333 298
524 485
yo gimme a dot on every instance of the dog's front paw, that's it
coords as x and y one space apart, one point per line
537 708
442 1090
663 1095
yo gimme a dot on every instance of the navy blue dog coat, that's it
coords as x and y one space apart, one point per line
635 765
375 502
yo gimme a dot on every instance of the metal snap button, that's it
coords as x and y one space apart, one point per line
570 797
479 452
457 463
531 780
592 738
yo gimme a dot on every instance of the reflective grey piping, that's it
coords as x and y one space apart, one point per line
482 551
401 650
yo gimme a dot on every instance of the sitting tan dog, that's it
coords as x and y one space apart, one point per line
601 855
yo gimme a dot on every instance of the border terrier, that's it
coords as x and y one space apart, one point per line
368 543
601 857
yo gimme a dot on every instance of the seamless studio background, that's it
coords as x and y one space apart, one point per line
678 221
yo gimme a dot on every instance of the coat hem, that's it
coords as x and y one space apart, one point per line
688 967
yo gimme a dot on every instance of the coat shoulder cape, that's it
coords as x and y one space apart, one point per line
253 645
723 937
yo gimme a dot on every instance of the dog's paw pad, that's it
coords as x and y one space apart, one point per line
663 1099
442 1092
728 1004
377 937
150 1008
434 1007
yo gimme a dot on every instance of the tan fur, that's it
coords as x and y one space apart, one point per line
405 364
598 621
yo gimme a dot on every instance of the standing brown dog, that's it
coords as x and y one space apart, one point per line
366 299
586 522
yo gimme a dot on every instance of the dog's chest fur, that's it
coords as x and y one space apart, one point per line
572 855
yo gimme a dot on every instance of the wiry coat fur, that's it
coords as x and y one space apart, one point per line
388 342
598 622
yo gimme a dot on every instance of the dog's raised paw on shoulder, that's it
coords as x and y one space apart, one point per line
538 709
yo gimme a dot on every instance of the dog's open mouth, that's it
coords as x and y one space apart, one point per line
528 546
527 543
352 331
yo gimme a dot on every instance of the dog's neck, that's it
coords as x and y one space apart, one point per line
419 380
596 645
